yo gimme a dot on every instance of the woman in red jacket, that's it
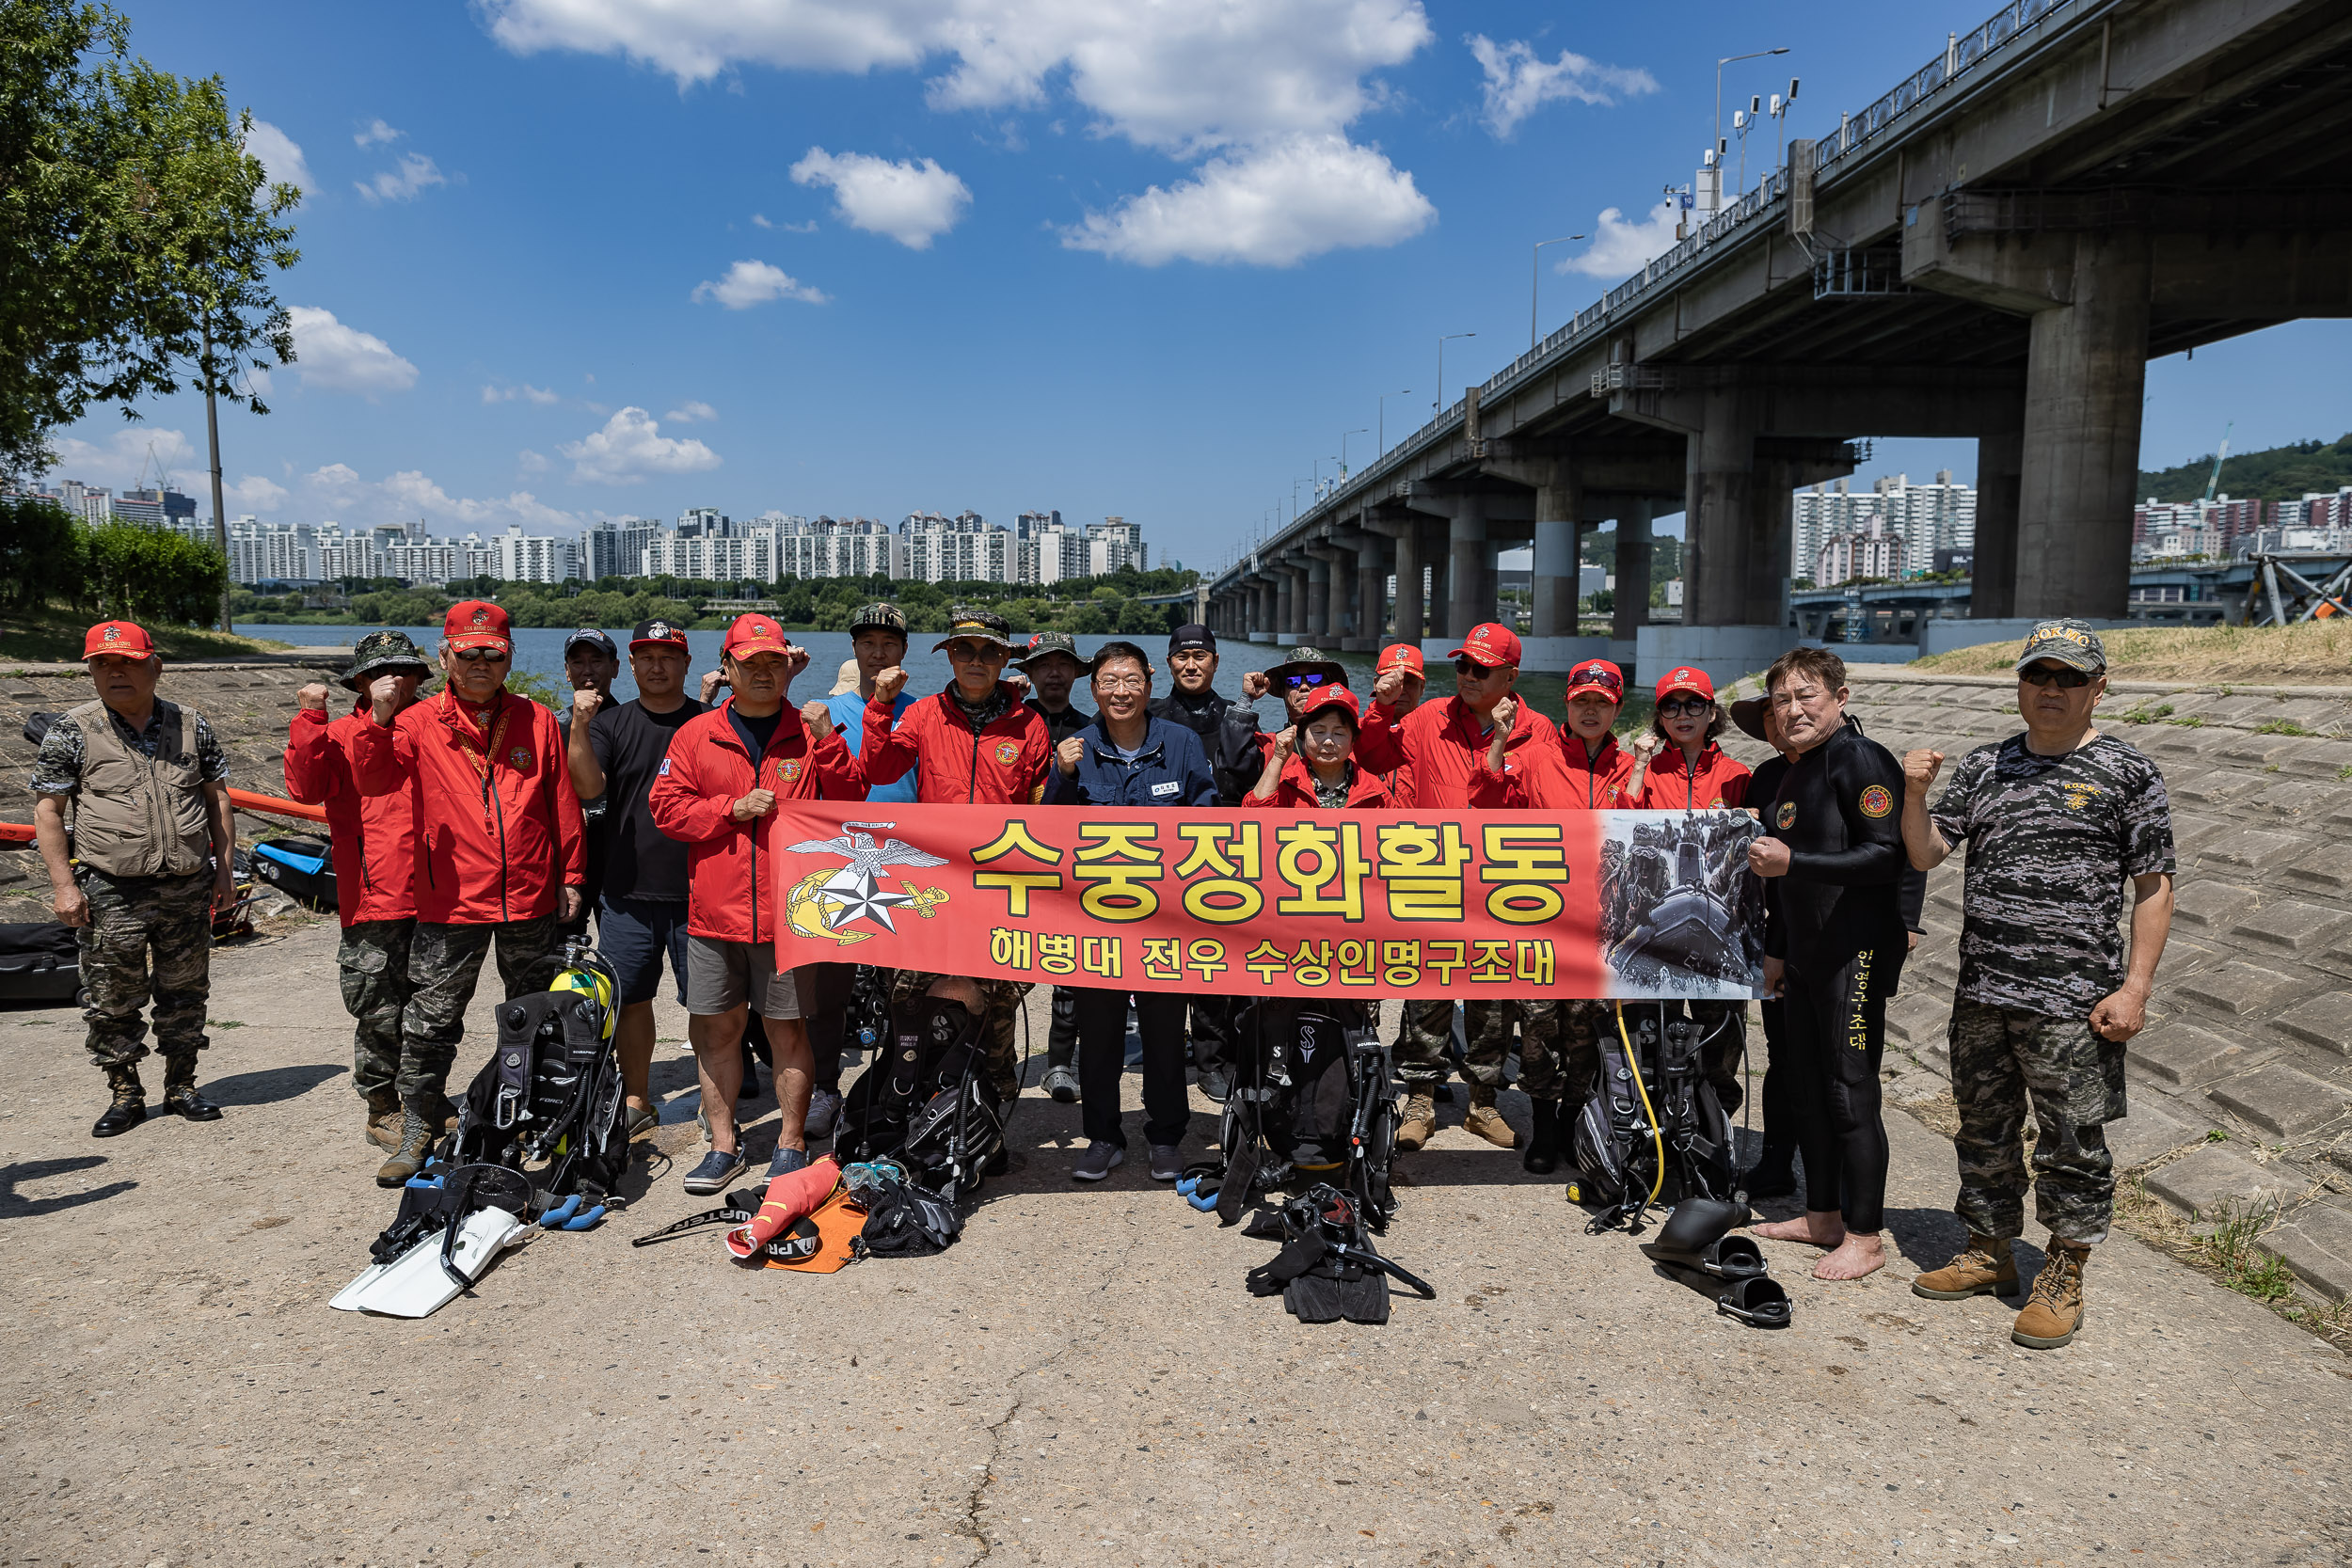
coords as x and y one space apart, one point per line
716 794
1676 764
1308 767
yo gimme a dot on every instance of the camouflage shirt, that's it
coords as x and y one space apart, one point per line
57 767
2052 840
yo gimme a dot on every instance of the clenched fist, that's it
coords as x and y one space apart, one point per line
817 717
1254 685
1286 742
1768 856
1920 767
759 803
585 702
1388 687
1644 744
314 695
1506 711
890 682
795 661
1067 755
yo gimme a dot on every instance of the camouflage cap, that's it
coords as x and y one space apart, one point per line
383 650
2068 642
1303 660
965 624
878 617
1046 643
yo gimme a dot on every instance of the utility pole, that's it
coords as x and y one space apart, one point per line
1343 436
220 518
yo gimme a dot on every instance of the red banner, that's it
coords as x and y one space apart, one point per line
1251 903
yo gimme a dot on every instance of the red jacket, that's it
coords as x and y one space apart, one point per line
1439 741
1295 790
374 835
1003 765
1672 784
730 895
497 836
1565 777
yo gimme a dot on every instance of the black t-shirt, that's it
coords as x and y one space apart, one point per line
1061 726
629 744
754 733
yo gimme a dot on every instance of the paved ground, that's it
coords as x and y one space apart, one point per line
1083 1380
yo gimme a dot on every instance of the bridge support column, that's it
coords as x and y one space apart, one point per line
1719 519
1371 595
2085 376
1318 608
1559 511
1284 598
1470 568
1773 509
1992 579
1270 619
1410 622
1631 594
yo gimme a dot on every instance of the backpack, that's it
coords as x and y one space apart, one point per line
550 1100
1650 1103
927 1100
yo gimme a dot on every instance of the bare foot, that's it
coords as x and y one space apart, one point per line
1858 1255
1822 1229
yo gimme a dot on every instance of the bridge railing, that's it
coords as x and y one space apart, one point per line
1962 55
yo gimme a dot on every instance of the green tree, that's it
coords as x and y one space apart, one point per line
40 554
136 235
146 573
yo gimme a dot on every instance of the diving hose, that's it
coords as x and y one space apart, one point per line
1656 1137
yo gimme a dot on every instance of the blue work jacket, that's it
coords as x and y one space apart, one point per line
1170 770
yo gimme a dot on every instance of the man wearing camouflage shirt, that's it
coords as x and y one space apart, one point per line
2060 816
153 842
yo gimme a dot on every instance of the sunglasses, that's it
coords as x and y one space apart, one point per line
1295 682
1474 669
2065 677
1675 707
481 656
972 653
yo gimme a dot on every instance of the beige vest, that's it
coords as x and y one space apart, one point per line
133 817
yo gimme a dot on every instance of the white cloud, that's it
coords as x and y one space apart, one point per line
691 412
749 283
1519 81
338 359
253 493
337 491
124 452
1252 80
282 159
376 132
530 462
762 220
1271 207
911 202
492 392
416 172
632 446
1620 248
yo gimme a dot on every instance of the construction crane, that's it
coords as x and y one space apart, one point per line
2214 478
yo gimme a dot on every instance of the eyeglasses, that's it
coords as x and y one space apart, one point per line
1675 707
2065 677
1295 682
1122 683
1471 667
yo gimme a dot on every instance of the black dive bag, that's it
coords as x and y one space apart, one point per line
1616 1147
549 1101
927 1100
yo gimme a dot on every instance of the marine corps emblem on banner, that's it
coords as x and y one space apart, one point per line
822 903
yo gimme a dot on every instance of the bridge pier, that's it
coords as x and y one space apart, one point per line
1267 620
1317 615
1630 606
1371 595
1993 577
1285 596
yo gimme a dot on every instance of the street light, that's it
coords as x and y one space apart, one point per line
1731 59
1381 439
1343 436
1535 276
1440 405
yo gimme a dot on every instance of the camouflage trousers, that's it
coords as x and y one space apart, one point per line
146 935
2001 1059
444 964
373 961
1420 1056
1002 1000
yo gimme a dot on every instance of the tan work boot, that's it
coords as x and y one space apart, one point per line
2054 1311
1487 1122
384 1120
1984 1268
417 1138
1419 1124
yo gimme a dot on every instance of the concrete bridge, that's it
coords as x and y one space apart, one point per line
1994 249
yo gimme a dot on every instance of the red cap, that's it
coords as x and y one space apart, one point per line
1683 678
119 636
1490 646
1400 656
1599 677
752 634
477 623
1322 697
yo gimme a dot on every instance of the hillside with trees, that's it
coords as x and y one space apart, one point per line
2274 474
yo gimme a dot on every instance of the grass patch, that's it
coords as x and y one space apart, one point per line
2282 726
2229 1254
2144 714
2194 722
54 635
2312 653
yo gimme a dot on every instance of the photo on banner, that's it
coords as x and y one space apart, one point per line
1254 903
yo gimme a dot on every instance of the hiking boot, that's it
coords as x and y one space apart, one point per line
384 1119
2055 1310
1061 1084
416 1134
1484 1120
1985 1268
1542 1140
130 1103
1417 1123
180 1092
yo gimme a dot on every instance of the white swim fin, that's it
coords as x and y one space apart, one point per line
414 1285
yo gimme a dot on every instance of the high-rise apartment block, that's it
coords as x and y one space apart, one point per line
1928 518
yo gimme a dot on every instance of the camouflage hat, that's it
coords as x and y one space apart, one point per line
383 650
976 626
878 617
1046 643
1304 660
2069 643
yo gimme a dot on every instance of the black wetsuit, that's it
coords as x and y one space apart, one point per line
1838 924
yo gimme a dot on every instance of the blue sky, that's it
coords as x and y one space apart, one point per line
566 258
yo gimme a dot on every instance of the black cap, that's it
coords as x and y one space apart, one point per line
658 633
595 639
1187 637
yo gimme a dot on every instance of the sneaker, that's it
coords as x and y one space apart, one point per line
1167 1162
1217 1084
825 1109
1097 1162
715 1172
786 1161
1062 1084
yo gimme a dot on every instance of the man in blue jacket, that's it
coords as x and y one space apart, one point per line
1128 758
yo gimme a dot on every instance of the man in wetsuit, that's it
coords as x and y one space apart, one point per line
1834 951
